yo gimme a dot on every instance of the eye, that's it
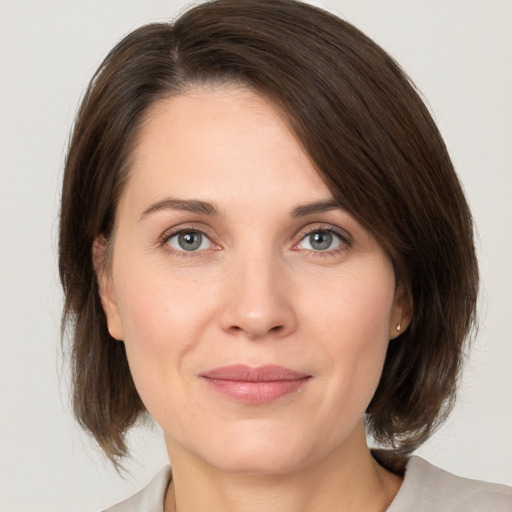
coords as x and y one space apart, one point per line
321 240
189 240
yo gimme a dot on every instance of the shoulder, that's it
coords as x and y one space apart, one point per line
150 498
429 488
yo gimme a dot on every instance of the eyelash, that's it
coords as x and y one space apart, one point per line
345 241
164 239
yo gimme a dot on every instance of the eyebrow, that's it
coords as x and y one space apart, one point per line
205 208
316 207
187 205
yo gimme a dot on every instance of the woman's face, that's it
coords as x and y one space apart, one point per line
256 313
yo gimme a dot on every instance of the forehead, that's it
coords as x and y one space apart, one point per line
222 141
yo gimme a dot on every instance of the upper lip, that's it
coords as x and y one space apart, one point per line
244 373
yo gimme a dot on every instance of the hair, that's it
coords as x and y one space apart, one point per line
371 139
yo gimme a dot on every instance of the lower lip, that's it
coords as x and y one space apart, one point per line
260 392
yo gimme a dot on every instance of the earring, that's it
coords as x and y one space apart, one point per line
399 326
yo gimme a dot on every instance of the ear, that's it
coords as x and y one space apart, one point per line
401 313
101 261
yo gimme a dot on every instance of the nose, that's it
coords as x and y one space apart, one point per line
258 302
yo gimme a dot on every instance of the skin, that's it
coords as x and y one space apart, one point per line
255 292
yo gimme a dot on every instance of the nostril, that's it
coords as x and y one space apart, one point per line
257 332
254 316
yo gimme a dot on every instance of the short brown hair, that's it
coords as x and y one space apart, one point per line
371 139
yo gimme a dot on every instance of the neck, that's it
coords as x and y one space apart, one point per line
348 479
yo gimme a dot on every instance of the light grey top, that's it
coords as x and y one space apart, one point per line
425 488
150 498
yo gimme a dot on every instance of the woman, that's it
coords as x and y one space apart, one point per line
264 246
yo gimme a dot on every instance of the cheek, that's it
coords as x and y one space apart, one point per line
351 326
355 308
158 310
163 321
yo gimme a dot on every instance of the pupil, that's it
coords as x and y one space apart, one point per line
320 240
190 241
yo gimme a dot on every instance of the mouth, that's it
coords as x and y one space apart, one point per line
255 385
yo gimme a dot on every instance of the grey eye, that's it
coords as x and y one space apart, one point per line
320 240
189 241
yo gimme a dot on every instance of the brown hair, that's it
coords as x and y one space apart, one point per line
372 140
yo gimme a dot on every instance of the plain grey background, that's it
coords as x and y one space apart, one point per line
459 53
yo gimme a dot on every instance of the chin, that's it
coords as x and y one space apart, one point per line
265 452
264 462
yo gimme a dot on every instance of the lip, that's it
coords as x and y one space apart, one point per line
255 385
